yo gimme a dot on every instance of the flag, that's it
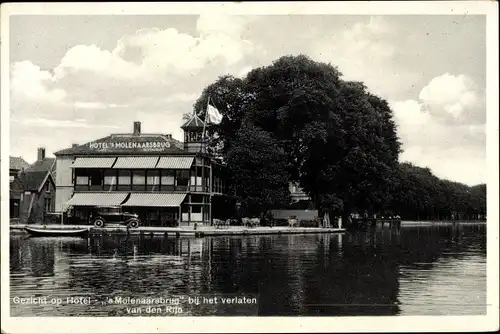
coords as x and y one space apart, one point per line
214 116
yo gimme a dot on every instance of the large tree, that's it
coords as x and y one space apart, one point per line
339 140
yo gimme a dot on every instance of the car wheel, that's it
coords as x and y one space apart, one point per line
133 224
98 222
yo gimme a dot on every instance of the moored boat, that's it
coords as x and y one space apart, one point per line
56 232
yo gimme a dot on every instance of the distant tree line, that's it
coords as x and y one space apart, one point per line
420 195
298 120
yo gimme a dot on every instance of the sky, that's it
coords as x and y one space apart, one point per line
75 79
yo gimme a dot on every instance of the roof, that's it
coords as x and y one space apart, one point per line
143 144
193 123
33 180
33 177
45 165
17 163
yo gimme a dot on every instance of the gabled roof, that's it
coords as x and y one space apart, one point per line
35 176
193 123
17 163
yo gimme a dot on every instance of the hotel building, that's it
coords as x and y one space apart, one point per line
163 180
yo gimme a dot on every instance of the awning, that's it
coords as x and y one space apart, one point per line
94 199
97 162
136 162
155 200
175 162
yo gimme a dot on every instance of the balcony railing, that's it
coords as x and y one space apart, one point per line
149 188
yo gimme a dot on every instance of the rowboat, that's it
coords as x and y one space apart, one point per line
56 232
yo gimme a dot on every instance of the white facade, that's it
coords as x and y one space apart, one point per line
64 182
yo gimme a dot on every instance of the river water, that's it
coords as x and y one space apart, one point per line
416 270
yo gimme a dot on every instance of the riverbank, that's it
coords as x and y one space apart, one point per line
442 222
200 231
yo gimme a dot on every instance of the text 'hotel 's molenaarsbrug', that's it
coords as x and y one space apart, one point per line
163 180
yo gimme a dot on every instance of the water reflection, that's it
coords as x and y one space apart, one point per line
415 270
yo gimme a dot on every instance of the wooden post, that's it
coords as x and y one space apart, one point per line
210 196
202 187
190 209
180 215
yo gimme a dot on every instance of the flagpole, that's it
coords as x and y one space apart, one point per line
205 123
210 177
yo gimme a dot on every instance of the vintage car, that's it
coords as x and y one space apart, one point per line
103 215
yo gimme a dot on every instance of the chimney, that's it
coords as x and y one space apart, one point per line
74 145
137 128
41 153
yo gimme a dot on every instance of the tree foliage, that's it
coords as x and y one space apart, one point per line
420 195
259 167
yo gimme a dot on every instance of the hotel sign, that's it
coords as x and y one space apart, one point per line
145 146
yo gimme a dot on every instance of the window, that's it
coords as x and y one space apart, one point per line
124 177
82 180
153 180
196 213
11 178
192 181
153 177
195 136
182 177
110 177
14 208
184 213
47 187
139 177
114 210
200 173
168 177
47 204
96 177
138 180
124 180
167 180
